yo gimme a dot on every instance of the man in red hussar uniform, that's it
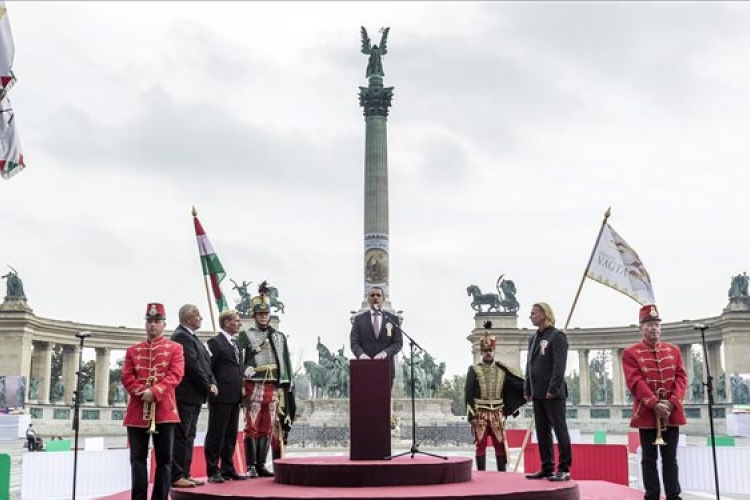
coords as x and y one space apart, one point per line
656 377
152 370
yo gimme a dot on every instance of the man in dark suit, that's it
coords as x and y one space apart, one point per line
545 388
192 392
376 333
224 407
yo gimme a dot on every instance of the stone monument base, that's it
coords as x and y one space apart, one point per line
335 412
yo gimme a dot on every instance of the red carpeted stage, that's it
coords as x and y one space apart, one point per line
402 478
484 485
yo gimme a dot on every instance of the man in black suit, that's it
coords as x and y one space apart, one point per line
224 407
375 333
545 388
192 392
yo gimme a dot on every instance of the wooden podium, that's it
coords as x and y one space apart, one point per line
370 409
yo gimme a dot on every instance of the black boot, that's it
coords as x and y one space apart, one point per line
502 464
260 461
481 462
250 457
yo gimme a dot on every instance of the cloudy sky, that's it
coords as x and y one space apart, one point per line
514 126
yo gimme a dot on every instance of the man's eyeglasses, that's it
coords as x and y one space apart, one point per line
376 295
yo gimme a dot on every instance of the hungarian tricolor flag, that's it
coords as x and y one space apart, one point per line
211 265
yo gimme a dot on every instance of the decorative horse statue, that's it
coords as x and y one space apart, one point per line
273 296
318 376
479 299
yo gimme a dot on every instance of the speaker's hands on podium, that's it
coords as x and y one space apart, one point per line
381 355
364 356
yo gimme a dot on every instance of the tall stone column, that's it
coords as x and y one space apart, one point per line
618 378
584 380
43 359
375 101
714 359
101 397
687 360
69 369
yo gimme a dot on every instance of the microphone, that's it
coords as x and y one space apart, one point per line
83 335
700 326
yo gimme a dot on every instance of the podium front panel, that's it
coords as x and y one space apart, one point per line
370 409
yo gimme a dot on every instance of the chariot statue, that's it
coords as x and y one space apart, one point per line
504 299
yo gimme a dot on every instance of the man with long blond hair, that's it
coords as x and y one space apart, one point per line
545 388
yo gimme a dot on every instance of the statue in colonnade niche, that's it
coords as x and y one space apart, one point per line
58 391
34 389
721 388
88 392
119 393
696 390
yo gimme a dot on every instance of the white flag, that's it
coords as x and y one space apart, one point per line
618 266
7 52
11 156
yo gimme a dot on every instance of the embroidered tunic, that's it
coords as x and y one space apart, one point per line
653 373
158 365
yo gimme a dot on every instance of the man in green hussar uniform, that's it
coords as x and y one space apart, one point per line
268 385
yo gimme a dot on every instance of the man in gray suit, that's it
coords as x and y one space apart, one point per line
376 334
197 383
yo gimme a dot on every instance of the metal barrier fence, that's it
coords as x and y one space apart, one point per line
450 434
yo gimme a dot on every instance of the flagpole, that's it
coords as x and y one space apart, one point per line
205 281
588 266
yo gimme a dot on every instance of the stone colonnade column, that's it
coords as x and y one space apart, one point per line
714 360
618 379
69 369
43 366
583 377
687 359
101 397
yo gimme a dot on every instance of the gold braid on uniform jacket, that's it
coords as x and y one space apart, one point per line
491 378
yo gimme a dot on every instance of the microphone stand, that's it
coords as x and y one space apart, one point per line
77 408
414 446
709 384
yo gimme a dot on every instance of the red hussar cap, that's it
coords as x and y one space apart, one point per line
648 313
154 310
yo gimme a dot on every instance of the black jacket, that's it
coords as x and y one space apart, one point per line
362 337
196 382
545 367
226 370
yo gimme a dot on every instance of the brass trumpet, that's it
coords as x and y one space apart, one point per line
661 424
149 410
149 413
659 441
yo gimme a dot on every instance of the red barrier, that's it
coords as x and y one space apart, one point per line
603 462
634 441
515 437
198 468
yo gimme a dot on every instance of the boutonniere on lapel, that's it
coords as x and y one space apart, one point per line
543 345
388 328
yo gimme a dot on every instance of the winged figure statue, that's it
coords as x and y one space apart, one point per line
375 64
